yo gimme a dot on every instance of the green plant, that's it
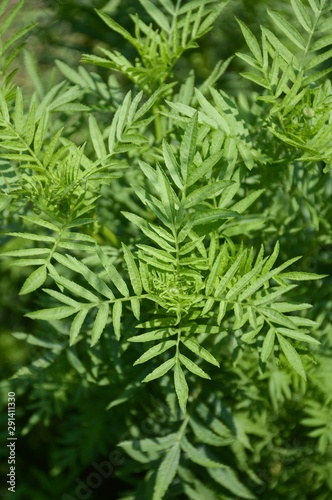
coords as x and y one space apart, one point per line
146 226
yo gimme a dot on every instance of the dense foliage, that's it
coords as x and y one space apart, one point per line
165 252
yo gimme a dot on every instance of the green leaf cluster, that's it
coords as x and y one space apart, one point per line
166 241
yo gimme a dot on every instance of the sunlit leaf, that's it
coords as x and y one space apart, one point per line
99 323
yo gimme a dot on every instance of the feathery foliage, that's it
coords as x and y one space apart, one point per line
160 231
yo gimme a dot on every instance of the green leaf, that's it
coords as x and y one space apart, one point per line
172 165
166 194
244 281
60 102
70 235
73 287
70 74
288 29
197 173
274 76
136 307
213 278
240 318
33 73
286 307
155 351
198 456
249 60
212 215
181 386
252 317
97 138
212 113
99 323
293 97
314 6
22 158
150 444
302 276
194 488
268 345
325 23
292 356
197 329
188 147
122 119
156 14
251 42
302 15
169 6
163 333
208 306
258 79
40 222
280 49
116 318
247 201
61 297
18 112
191 366
147 105
276 317
208 416
9 19
26 252
155 322
40 133
32 340
319 59
166 472
69 245
205 192
75 362
28 262
53 313
322 42
113 274
295 143
159 254
3 7
149 172
76 325
158 236
200 351
297 335
300 321
229 274
155 264
211 18
33 237
222 311
4 109
205 435
228 479
191 245
160 371
249 336
264 279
